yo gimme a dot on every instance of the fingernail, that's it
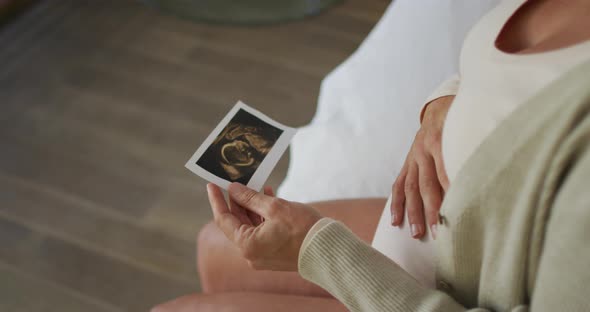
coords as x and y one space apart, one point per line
393 218
415 230
433 229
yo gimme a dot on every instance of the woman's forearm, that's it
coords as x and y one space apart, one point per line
361 277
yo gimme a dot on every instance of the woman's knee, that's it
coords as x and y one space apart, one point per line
206 241
213 251
210 234
164 307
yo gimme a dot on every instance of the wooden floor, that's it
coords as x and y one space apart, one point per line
101 104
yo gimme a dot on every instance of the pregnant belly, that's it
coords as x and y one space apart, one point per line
414 256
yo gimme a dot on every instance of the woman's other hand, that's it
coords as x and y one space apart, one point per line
270 245
421 184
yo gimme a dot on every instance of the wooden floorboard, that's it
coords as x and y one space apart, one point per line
87 225
20 292
97 276
101 104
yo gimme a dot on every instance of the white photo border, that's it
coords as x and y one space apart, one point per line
266 166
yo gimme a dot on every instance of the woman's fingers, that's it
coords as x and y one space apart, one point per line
443 179
254 218
431 192
257 219
269 191
246 215
241 213
398 198
225 220
250 199
414 206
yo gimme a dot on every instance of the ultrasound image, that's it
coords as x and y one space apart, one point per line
240 148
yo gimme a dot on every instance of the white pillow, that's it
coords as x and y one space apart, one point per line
368 107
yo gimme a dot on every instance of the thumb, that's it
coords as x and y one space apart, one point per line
250 199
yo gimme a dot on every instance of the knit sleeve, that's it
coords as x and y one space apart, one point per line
447 88
563 273
364 279
361 277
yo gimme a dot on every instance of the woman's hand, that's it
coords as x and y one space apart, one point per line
422 181
270 245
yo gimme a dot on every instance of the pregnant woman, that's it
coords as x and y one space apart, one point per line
515 149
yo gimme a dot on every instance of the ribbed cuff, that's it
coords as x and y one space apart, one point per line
361 277
318 226
447 88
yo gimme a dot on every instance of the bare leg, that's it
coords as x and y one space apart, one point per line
222 269
249 302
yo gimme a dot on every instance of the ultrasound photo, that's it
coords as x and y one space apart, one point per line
239 146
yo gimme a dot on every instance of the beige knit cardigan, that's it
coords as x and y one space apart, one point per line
515 227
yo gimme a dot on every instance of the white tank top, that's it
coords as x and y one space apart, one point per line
492 85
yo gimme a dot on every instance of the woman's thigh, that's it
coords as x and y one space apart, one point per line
222 269
245 302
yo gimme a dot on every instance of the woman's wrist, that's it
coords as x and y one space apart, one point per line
318 226
449 87
432 107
